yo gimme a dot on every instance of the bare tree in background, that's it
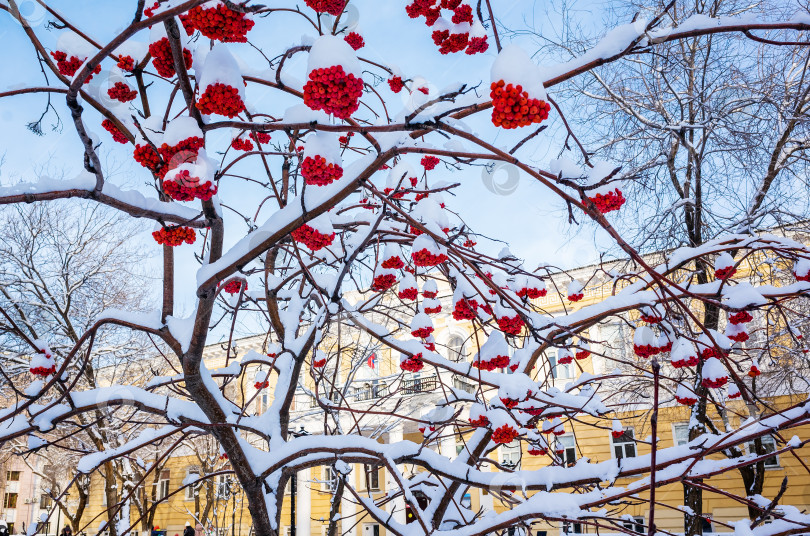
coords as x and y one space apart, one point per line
712 133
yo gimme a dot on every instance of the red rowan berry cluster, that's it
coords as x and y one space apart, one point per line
317 172
464 309
480 422
449 43
477 45
715 383
430 162
423 332
393 263
608 202
504 434
510 324
709 352
469 243
319 363
754 371
174 236
117 135
332 90
530 292
582 353
510 403
646 350
433 310
260 137
242 144
725 273
333 7
537 451
150 11
355 40
499 361
187 149
234 286
423 257
184 187
462 14
740 317
413 364
576 297
43 371
121 92
512 107
311 238
148 157
396 84
261 385
686 400
407 294
220 99
383 282
162 58
565 358
651 317
69 66
126 63
219 23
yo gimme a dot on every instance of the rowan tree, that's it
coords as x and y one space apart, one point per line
326 211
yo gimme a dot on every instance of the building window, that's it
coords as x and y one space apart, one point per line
510 454
10 501
13 476
329 480
768 445
163 485
635 524
263 401
707 525
44 502
613 337
624 446
372 475
192 475
567 449
223 486
680 433
571 528
43 527
560 372
455 349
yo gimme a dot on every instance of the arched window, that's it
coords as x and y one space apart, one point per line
455 348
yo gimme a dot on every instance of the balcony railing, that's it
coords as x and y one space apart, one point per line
419 385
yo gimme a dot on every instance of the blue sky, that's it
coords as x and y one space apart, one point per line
529 217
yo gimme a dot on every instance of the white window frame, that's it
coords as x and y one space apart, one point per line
461 355
572 448
371 477
328 479
191 488
510 454
163 484
573 528
638 521
680 426
556 368
767 441
624 445
223 486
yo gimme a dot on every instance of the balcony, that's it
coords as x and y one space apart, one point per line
419 385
